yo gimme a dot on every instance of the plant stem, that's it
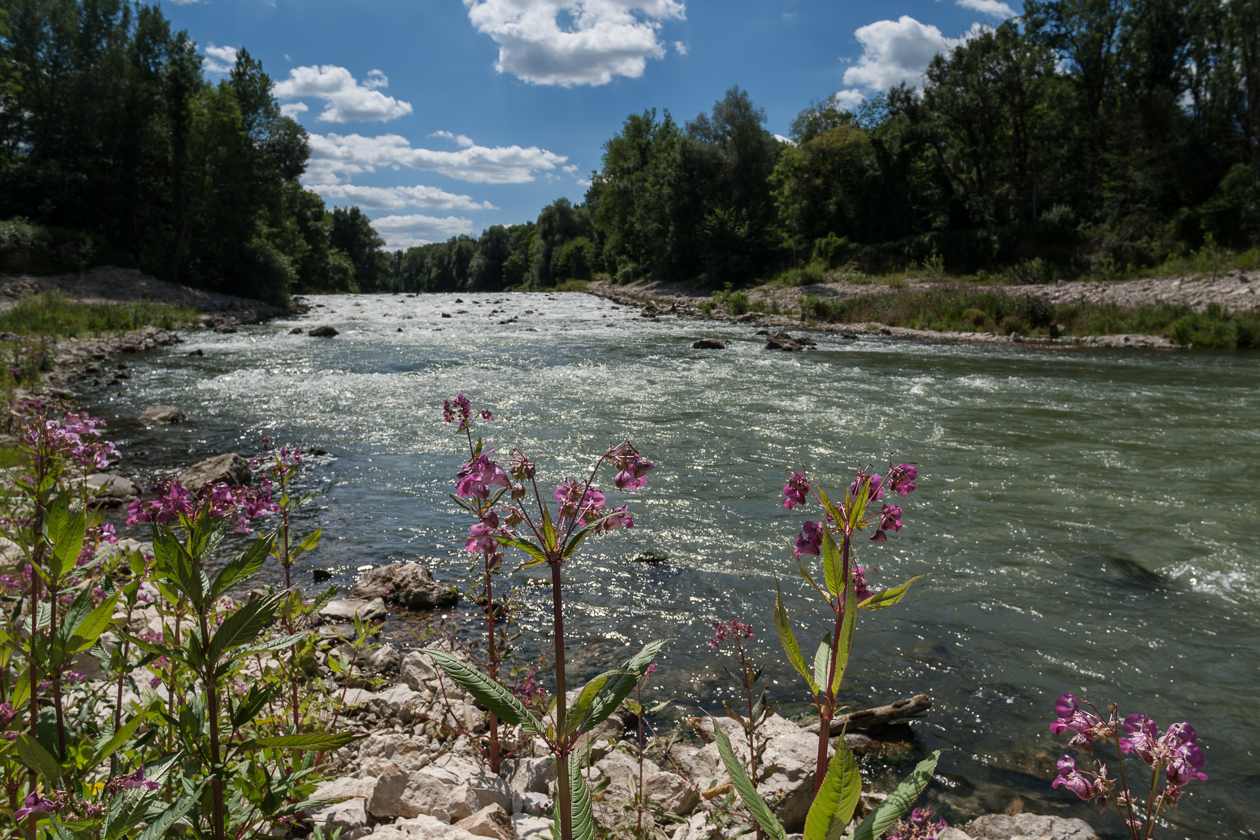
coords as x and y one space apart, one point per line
563 745
492 667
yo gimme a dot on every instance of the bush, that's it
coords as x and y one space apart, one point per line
833 251
976 317
35 249
628 273
1013 324
574 260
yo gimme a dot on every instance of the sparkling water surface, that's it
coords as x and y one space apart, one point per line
1088 521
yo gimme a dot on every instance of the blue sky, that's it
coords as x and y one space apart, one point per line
441 117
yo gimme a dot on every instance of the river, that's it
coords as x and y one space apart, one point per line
1088 521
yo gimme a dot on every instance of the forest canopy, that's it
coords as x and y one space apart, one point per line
1088 136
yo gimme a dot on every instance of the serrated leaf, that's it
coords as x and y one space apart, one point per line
822 661
107 746
888 597
158 827
529 548
622 683
837 799
33 755
899 801
847 630
305 741
833 565
311 540
243 626
91 627
493 696
241 567
787 638
579 713
580 802
745 788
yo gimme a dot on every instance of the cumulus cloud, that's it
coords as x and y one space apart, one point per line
410 231
848 99
995 8
396 198
292 109
896 51
346 99
574 42
218 59
458 138
334 157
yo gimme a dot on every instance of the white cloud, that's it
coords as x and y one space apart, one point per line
458 138
571 168
334 157
218 59
896 51
292 109
848 99
396 198
346 99
681 47
996 8
410 231
574 42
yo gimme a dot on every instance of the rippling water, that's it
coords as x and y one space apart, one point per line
1089 521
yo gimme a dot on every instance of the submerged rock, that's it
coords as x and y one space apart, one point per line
154 415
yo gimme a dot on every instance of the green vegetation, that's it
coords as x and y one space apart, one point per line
52 315
115 149
961 308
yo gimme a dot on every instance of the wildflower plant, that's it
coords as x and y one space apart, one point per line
837 783
1176 754
512 510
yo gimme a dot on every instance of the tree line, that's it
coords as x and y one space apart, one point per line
1089 136
114 147
1098 136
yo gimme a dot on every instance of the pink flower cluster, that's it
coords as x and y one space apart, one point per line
1176 754
922 825
73 437
735 630
173 500
899 478
460 407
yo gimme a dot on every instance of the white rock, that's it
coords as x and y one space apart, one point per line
530 803
1006 827
422 827
671 793
491 821
347 609
450 792
528 827
351 815
529 775
393 700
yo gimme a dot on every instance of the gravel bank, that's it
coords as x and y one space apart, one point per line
1236 292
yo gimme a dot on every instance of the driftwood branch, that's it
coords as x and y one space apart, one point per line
866 718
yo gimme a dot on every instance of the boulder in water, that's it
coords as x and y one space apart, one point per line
229 468
154 415
323 332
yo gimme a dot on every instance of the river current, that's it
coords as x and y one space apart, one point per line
1087 521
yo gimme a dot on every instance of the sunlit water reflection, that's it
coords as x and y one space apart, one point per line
1089 521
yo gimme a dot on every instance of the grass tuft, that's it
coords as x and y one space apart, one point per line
54 315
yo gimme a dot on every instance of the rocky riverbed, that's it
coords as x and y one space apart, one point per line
1234 292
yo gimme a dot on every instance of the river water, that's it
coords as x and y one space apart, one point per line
1088 521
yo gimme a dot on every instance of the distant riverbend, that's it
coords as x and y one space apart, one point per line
1088 521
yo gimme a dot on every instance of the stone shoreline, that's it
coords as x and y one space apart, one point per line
1236 292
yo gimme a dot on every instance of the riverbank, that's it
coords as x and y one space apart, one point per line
771 306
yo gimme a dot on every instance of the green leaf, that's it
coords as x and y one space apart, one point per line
837 799
888 597
822 660
241 567
243 626
304 741
622 683
32 754
833 565
107 746
126 812
576 719
91 626
64 530
176 564
275 643
158 827
249 707
549 531
322 600
580 800
310 541
847 629
493 696
899 801
576 539
529 548
747 791
787 638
